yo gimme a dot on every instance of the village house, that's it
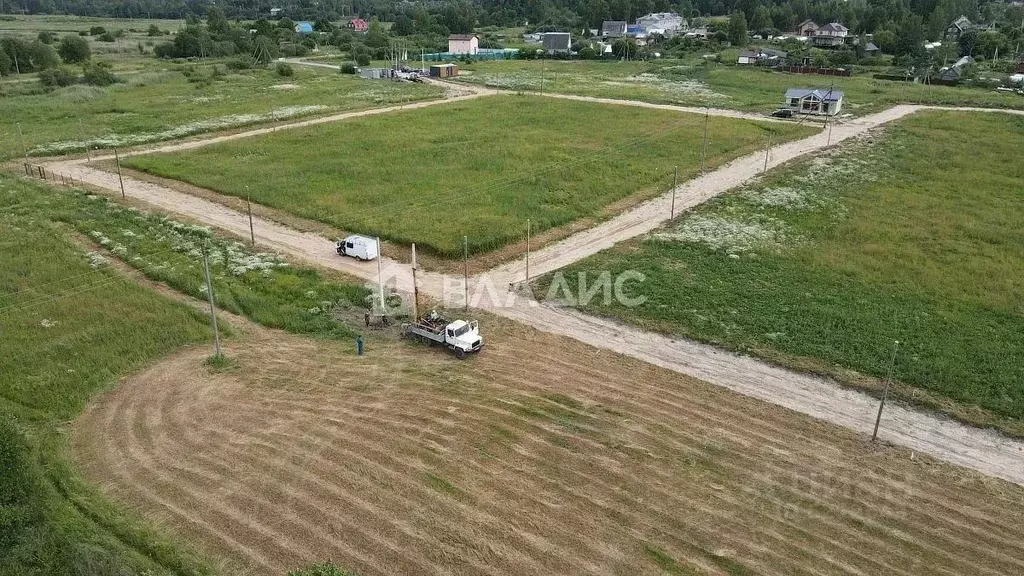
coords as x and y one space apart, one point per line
818 101
806 28
664 23
463 44
830 35
955 72
613 28
557 42
357 25
958 27
761 56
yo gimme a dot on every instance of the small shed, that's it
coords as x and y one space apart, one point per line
357 24
871 50
817 101
444 70
303 28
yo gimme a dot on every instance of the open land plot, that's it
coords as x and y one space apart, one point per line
72 323
69 327
181 100
39 23
479 168
824 265
698 84
542 455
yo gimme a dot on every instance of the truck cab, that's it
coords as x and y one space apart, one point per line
463 337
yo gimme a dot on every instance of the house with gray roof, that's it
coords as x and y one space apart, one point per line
830 35
557 42
817 101
613 28
958 27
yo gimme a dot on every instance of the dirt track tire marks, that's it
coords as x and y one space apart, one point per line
549 457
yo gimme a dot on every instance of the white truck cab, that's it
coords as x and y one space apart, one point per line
464 336
358 247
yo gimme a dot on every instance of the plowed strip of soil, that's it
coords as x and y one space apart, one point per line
542 455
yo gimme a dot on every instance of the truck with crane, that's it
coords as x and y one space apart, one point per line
459 336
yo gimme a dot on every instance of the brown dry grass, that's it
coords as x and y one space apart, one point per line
541 455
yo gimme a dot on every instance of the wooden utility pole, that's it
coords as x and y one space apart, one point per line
527 249
766 149
117 159
380 277
704 149
415 289
85 142
675 182
885 392
21 137
465 274
213 307
252 232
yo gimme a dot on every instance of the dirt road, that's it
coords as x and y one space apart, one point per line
977 449
545 457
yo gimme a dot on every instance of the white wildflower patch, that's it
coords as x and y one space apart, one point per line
198 127
728 234
314 310
47 323
96 259
781 197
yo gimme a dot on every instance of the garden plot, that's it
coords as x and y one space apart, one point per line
825 265
479 168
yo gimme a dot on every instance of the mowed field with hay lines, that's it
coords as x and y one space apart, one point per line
547 457
479 168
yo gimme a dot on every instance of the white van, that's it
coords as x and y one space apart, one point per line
358 247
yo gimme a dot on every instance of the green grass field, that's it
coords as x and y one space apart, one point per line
478 168
825 265
68 332
38 23
694 83
71 325
157 102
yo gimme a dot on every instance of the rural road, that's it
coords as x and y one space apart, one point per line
982 450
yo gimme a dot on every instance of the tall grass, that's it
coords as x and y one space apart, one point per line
479 168
696 83
160 101
828 263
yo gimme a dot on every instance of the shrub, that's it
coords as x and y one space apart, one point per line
98 74
588 53
283 69
153 30
217 73
243 63
97 30
363 59
74 49
348 68
165 50
56 78
5 64
45 37
107 37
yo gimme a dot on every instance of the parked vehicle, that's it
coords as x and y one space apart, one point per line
358 247
783 113
459 336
